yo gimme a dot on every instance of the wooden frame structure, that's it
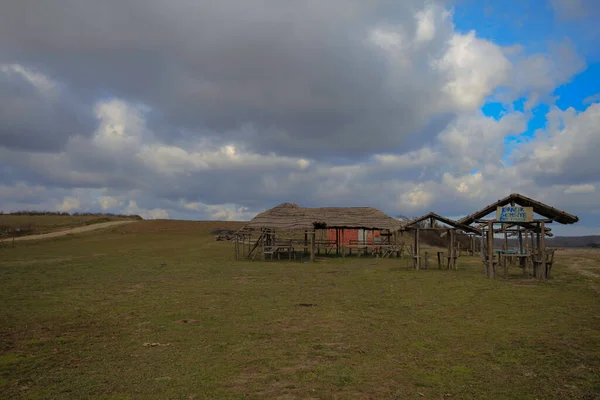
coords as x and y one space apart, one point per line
261 238
270 227
534 257
416 225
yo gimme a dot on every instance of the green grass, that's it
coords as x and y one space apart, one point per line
77 311
19 225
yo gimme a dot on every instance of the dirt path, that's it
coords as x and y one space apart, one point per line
79 229
577 267
581 261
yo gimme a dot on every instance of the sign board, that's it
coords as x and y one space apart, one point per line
514 214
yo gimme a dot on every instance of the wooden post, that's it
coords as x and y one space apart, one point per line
455 246
262 244
312 246
305 242
439 257
491 268
343 240
417 250
538 248
482 252
449 251
543 274
527 259
321 240
236 248
414 247
505 258
520 241
452 254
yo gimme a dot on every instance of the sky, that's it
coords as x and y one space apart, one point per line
219 110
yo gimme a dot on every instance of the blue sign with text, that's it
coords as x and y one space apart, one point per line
514 214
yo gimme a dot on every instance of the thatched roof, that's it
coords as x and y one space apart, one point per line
538 208
412 224
290 216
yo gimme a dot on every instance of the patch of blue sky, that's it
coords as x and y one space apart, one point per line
583 89
510 22
537 120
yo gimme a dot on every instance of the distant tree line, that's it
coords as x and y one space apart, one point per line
66 214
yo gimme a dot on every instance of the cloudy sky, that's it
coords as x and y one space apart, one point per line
220 109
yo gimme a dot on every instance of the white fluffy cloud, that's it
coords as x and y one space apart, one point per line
109 203
580 189
155 213
567 150
69 204
535 76
475 68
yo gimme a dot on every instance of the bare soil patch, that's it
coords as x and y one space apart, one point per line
188 321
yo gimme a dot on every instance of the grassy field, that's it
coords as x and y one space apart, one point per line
19 225
159 310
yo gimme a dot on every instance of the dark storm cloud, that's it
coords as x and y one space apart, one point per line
303 74
37 118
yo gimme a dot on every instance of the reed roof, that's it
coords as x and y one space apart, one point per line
290 216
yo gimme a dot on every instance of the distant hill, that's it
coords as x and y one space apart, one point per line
574 241
560 241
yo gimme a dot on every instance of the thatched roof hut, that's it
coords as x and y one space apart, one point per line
290 216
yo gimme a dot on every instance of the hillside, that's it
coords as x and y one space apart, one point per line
34 223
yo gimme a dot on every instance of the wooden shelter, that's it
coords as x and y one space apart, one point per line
428 223
289 218
531 233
